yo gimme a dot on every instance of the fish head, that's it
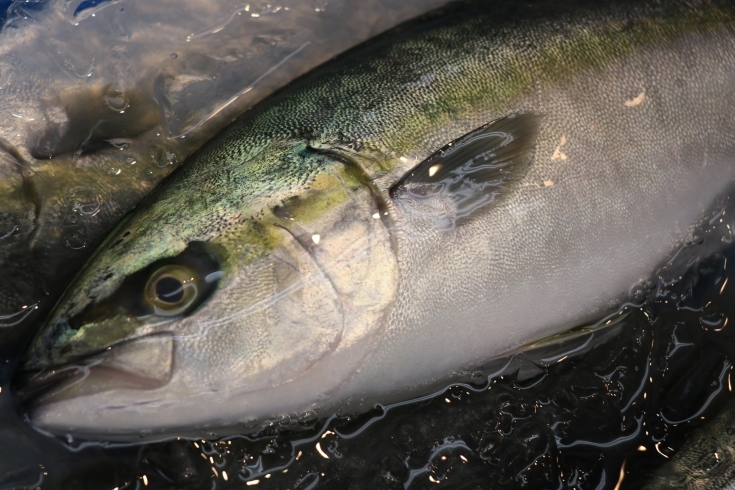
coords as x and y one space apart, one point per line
238 281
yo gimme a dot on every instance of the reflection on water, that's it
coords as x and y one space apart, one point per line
102 99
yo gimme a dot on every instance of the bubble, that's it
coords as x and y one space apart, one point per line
117 101
478 378
640 291
86 202
75 236
695 239
307 418
161 158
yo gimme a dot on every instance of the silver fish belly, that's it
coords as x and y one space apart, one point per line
441 197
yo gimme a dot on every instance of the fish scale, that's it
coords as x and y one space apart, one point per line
608 138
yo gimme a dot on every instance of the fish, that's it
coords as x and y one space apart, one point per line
705 460
483 178
100 102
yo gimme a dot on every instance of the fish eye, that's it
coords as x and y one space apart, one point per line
171 289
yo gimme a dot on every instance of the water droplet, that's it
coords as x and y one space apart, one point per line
86 202
478 378
695 239
712 321
6 74
307 418
9 227
639 292
117 101
75 236
119 143
174 56
158 159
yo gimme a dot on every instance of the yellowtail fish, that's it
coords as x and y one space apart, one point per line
473 182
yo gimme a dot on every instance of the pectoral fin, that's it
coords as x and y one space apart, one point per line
475 169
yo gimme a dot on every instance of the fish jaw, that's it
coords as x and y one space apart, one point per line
141 363
134 411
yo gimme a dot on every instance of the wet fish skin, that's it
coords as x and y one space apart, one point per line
177 68
321 291
706 461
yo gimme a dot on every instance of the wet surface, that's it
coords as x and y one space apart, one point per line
604 410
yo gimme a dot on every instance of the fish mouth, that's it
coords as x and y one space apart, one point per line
141 363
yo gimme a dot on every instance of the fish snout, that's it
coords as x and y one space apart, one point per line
144 362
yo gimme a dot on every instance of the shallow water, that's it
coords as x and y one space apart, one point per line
602 411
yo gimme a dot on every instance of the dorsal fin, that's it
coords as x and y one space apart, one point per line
476 168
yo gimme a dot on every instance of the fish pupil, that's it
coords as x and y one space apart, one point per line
170 290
